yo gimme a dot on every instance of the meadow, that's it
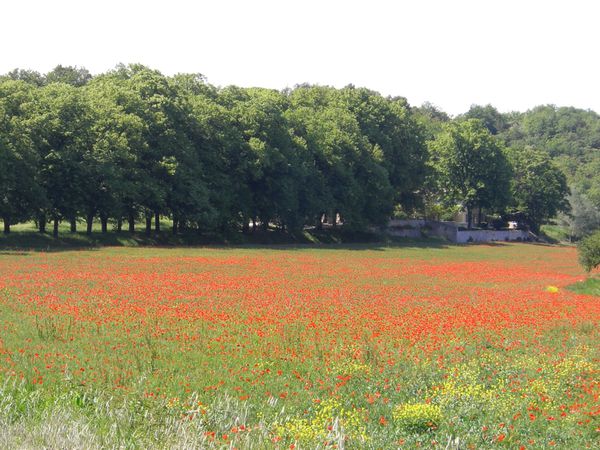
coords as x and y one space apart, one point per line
429 346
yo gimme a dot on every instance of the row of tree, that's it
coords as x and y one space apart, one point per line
571 137
132 144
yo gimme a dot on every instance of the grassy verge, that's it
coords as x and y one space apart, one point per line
591 286
26 239
555 233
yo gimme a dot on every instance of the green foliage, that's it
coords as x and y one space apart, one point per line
346 170
20 191
539 187
61 123
396 137
28 76
470 167
431 119
589 251
489 116
133 143
583 217
570 136
75 76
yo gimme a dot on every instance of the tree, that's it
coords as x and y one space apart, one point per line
349 175
61 121
29 76
571 137
397 139
75 76
589 251
272 174
188 198
20 192
539 187
471 168
431 120
223 155
110 187
491 118
583 217
150 97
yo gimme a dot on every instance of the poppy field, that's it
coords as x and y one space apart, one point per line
360 347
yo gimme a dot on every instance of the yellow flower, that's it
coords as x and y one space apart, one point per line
330 420
417 416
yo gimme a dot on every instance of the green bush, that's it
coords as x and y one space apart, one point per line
589 251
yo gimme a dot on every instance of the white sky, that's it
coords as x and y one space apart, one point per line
453 53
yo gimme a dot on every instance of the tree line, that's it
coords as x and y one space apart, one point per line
133 145
571 137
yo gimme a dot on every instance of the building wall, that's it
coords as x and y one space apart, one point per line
463 237
449 230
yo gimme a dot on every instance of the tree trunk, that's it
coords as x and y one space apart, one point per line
6 221
534 227
174 225
148 223
319 222
330 217
245 225
104 223
73 225
479 217
253 224
89 221
469 217
119 224
55 228
157 222
131 221
42 223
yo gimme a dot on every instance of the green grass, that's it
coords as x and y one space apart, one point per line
555 233
25 236
591 286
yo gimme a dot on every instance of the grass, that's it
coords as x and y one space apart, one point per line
555 233
590 286
25 236
351 345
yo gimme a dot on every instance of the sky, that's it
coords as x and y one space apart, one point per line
514 54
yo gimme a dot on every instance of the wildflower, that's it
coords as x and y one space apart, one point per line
418 416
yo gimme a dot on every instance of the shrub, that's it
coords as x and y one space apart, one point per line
589 251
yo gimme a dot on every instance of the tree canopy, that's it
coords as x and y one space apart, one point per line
133 144
539 188
471 167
